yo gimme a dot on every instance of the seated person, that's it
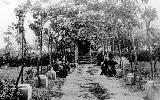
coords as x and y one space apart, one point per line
111 63
109 68
55 66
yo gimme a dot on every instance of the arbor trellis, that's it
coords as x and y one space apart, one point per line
108 17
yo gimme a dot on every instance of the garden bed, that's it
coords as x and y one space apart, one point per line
53 90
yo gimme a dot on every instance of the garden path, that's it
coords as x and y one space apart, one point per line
86 83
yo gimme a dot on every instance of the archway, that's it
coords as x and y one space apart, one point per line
84 51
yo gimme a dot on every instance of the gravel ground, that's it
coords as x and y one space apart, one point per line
86 83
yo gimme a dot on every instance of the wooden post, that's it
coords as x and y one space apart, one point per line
107 46
113 45
76 53
104 49
103 44
90 54
50 40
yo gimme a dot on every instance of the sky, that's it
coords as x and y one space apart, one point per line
7 16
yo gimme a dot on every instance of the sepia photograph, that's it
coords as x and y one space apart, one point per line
79 50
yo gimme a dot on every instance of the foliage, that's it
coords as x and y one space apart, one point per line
83 19
42 94
103 23
7 89
149 15
143 56
30 74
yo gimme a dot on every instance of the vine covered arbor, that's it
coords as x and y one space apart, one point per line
74 30
79 26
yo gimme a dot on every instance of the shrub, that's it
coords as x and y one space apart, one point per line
7 91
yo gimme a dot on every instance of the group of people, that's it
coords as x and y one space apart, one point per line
108 64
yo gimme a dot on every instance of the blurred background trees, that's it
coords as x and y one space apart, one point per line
125 26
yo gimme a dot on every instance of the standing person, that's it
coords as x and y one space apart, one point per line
99 58
69 57
111 64
104 67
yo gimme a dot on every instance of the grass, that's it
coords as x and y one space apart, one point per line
37 93
143 69
46 94
95 89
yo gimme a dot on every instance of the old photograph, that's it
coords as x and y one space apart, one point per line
79 50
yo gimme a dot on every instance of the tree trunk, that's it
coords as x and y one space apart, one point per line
38 63
21 71
135 55
149 47
120 54
155 63
22 58
130 54
19 76
41 51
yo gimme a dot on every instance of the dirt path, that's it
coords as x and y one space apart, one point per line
86 83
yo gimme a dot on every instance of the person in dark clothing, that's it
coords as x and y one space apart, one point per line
55 66
108 67
99 59
104 67
69 57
